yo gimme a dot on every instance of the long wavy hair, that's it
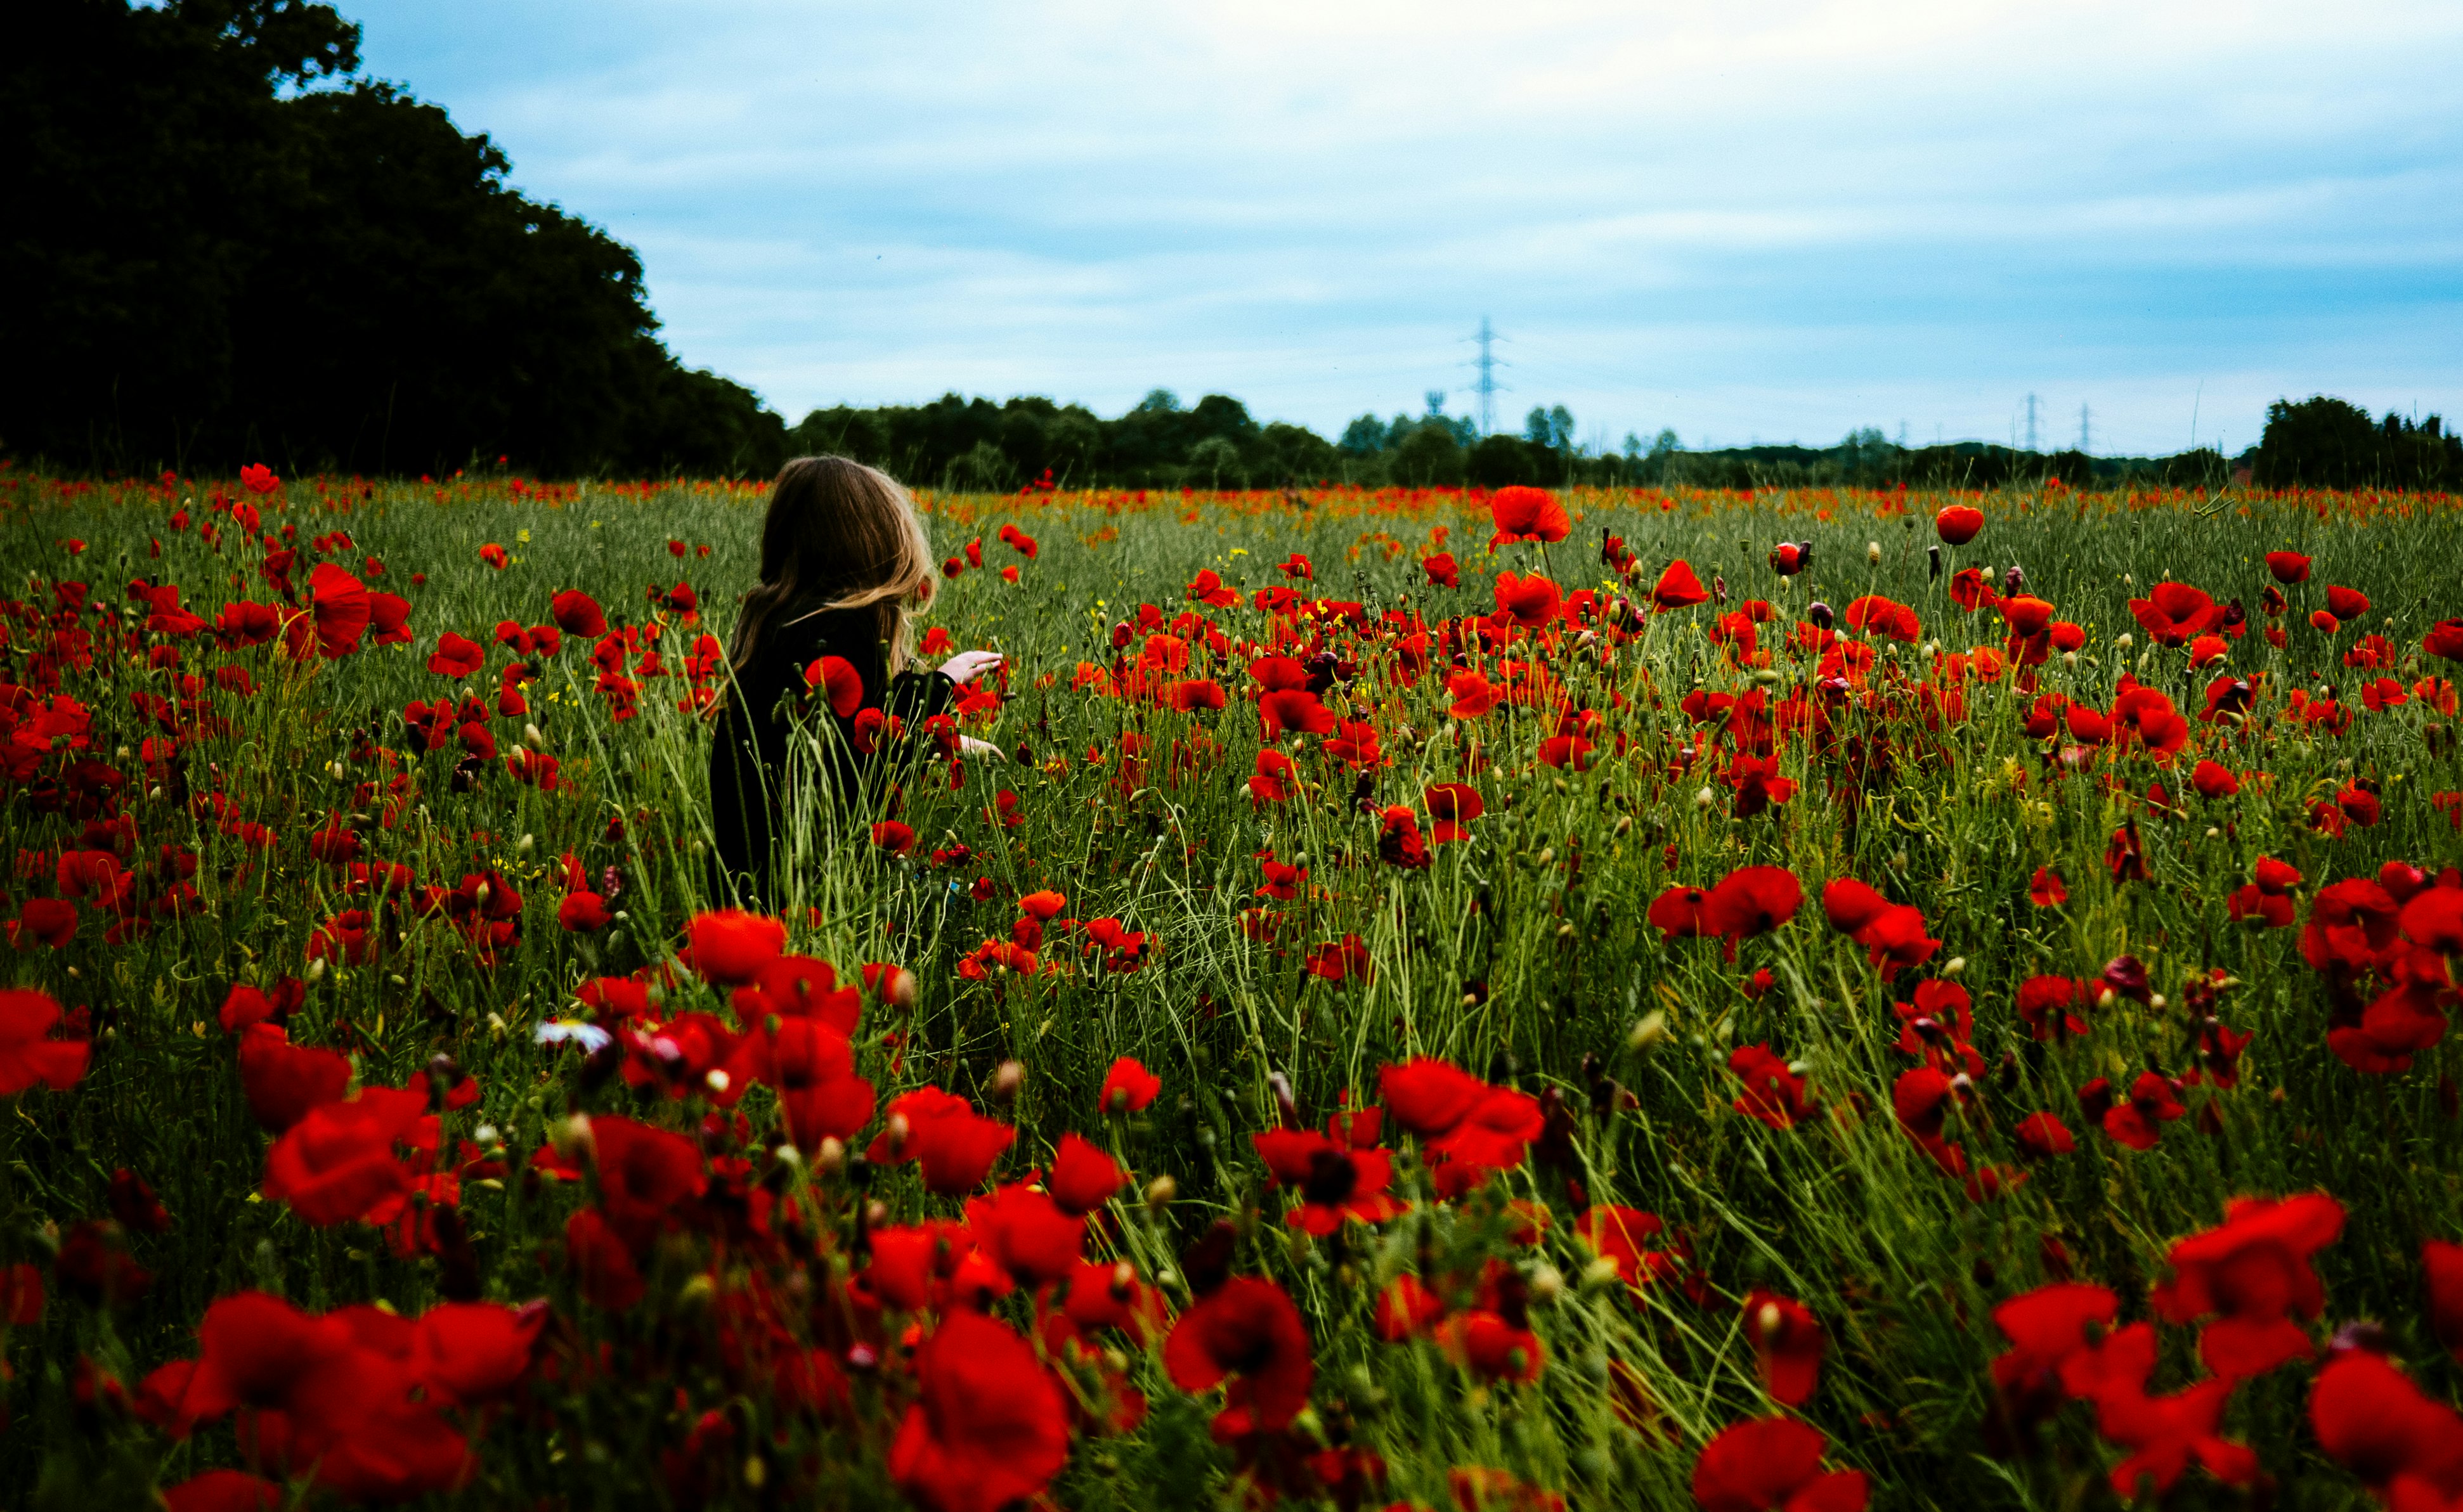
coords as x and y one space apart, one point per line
839 535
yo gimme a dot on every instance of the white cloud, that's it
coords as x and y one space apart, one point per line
1779 220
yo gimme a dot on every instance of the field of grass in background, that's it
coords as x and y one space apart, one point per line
1267 926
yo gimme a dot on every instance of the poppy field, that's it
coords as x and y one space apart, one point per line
1796 1000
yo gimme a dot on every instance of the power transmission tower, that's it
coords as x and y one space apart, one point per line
1487 387
2031 422
2085 434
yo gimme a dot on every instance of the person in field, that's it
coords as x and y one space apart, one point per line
844 566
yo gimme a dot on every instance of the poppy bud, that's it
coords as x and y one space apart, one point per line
1770 1321
1872 553
1161 1190
2123 641
1933 556
717 1081
572 1137
896 1133
1819 614
1957 966
1547 1283
1599 1274
1121 634
1648 1032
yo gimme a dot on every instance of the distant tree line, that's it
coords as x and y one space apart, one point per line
226 247
2323 442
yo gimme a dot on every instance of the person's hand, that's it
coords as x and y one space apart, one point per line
968 665
981 750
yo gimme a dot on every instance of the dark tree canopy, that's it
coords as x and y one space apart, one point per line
244 253
2323 442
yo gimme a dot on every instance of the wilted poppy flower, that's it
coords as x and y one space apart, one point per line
1245 1328
1765 1464
1958 524
988 1426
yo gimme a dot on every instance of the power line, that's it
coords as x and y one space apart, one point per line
1487 362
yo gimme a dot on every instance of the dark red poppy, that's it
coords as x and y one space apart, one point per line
2288 567
1774 1093
2374 1422
337 1163
283 1081
1768 1463
988 1427
1751 901
1334 1180
839 682
645 1176
578 614
1026 1234
1788 1342
1247 1331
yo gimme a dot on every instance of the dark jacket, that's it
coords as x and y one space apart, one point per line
748 759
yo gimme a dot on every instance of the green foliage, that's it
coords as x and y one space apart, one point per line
2323 442
245 254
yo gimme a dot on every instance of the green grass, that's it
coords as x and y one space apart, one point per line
1522 954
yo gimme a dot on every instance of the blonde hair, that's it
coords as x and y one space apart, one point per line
839 535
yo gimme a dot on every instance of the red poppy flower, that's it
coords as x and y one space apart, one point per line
1345 960
390 616
732 947
645 1175
44 921
2040 1136
2374 1422
2166 1432
1452 805
1248 1328
2251 1275
1789 558
952 1145
2444 640
337 1163
841 685
494 556
1523 513
1027 1233
1334 1180
893 837
2137 1121
28 1054
1751 901
456 655
1958 524
1490 1347
1442 571
1129 1087
603 1265
2043 1005
224 1491
2044 888
1677 913
1764 1464
2347 604
283 1081
338 616
1083 1178
1530 602
578 614
988 1427
1774 1093
1882 617
2173 612
2048 1333
1787 1342
1294 709
1678 588
2288 567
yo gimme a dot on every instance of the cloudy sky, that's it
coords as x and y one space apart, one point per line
1772 222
